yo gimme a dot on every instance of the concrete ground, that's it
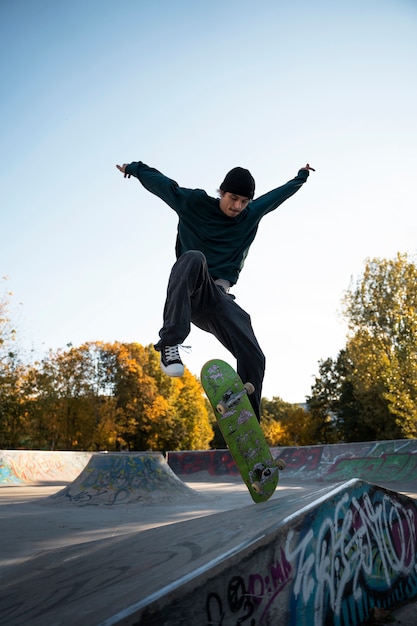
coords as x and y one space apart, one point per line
30 526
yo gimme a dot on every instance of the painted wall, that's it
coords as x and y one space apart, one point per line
34 466
119 478
329 564
390 461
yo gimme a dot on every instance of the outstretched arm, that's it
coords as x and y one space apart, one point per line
155 182
272 199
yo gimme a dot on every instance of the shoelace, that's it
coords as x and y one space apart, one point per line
172 353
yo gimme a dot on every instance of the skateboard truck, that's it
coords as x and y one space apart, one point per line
230 399
263 472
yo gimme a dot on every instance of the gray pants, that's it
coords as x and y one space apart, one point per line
193 296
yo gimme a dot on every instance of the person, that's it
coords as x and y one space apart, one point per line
213 239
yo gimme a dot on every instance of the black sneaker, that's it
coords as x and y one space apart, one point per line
171 363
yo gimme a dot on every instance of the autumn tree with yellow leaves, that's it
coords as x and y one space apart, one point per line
102 396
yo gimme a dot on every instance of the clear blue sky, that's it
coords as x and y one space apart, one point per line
194 89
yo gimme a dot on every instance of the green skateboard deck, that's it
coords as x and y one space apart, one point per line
240 428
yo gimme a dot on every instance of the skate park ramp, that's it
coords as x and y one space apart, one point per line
113 479
323 551
18 467
390 463
306 559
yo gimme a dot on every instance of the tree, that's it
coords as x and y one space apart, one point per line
156 412
96 396
13 419
382 312
372 386
285 424
333 404
192 429
114 396
137 399
64 399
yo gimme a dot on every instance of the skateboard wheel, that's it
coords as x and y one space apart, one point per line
222 408
257 487
280 463
249 388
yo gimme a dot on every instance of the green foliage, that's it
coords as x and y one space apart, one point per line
371 388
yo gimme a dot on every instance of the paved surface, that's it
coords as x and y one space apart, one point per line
65 562
406 615
47 548
32 523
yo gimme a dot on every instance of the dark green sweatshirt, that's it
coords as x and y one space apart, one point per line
225 241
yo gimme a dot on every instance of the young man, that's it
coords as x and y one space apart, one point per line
213 240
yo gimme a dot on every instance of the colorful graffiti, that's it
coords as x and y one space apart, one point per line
214 462
387 461
352 553
251 597
29 466
361 555
119 478
387 467
300 459
371 461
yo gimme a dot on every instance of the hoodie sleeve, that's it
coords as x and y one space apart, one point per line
272 199
158 184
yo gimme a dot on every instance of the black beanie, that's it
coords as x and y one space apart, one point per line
240 182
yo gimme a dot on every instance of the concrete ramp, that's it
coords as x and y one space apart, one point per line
375 461
318 559
328 563
383 462
19 467
122 478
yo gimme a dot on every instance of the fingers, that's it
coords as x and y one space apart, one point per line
122 168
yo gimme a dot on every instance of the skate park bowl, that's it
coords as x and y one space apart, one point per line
175 539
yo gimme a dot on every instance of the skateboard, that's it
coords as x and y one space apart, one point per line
240 428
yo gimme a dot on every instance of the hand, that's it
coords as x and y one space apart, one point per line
122 168
307 167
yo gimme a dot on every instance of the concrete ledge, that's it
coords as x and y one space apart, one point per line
19 467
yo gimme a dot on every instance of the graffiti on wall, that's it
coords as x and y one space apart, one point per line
20 466
371 461
296 459
120 478
249 598
215 462
357 557
346 557
387 467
